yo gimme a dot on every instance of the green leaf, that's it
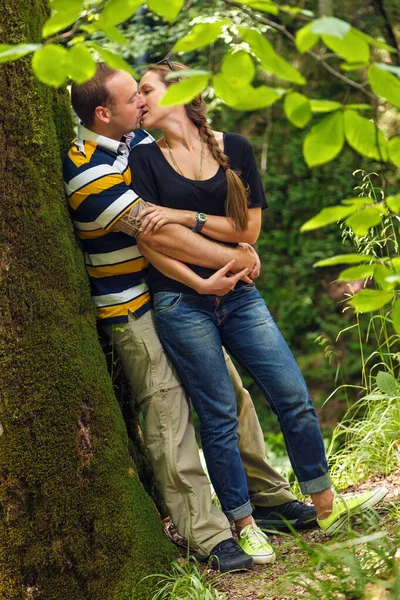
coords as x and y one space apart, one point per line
390 68
184 91
369 300
358 106
169 10
380 276
326 216
238 67
269 59
306 39
114 60
386 383
50 64
201 35
242 97
324 141
355 273
297 109
373 42
112 32
394 150
295 10
362 135
9 53
353 66
352 48
186 73
81 64
343 259
384 84
65 15
263 5
362 221
396 316
359 201
324 106
393 203
117 11
330 26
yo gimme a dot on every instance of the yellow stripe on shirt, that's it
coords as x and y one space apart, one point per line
78 158
95 187
130 266
122 309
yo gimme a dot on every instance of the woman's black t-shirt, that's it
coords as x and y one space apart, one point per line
156 181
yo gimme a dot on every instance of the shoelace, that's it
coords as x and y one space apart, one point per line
344 500
255 537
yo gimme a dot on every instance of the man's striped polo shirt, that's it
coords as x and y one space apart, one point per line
97 181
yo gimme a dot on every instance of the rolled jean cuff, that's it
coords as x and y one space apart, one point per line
239 513
314 486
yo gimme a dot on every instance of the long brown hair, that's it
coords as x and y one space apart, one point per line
236 203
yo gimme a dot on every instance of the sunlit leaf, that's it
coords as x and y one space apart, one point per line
353 66
394 150
263 5
64 17
330 26
269 59
9 53
355 273
373 42
393 203
395 262
396 316
324 141
390 68
358 106
362 135
296 10
333 214
117 11
238 67
369 300
81 64
201 35
381 274
362 221
243 97
351 47
169 10
184 91
343 259
112 32
297 109
187 73
359 201
50 64
115 61
306 39
384 84
324 106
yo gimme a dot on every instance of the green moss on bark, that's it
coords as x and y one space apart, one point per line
75 522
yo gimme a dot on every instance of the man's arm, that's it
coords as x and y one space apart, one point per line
184 245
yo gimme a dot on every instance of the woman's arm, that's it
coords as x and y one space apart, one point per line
218 228
218 284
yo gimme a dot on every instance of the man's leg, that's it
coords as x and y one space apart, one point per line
169 434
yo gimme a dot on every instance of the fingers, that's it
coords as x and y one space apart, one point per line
146 211
224 270
235 278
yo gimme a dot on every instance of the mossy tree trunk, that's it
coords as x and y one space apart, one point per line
75 521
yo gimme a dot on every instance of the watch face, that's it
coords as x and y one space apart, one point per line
202 217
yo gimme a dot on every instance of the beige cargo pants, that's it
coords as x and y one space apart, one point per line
171 443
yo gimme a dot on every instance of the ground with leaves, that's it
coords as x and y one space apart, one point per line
278 581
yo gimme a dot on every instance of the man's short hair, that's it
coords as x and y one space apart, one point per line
85 97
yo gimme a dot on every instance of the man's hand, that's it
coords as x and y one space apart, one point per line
220 283
257 265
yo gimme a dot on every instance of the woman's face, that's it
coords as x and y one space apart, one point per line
152 89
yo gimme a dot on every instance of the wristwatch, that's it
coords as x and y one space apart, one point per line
201 220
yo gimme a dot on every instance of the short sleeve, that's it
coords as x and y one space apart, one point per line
143 179
250 175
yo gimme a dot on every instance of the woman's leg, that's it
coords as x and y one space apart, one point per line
251 336
189 334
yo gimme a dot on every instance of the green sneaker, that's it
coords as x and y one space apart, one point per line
348 505
255 543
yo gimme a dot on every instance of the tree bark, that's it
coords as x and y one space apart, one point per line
388 30
75 521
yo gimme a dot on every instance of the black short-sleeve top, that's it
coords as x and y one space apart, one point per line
156 181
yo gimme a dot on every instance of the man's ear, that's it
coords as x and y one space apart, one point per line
102 114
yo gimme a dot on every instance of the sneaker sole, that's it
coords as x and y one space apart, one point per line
264 560
281 526
374 499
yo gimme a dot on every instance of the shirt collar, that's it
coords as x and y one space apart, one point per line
87 135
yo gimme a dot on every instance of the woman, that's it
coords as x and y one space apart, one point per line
208 181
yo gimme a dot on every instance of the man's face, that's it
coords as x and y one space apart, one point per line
126 110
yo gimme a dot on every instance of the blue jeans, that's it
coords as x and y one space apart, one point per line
192 329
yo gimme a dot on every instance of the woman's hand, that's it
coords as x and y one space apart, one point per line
153 217
221 282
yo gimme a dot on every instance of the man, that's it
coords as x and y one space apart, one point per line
104 210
